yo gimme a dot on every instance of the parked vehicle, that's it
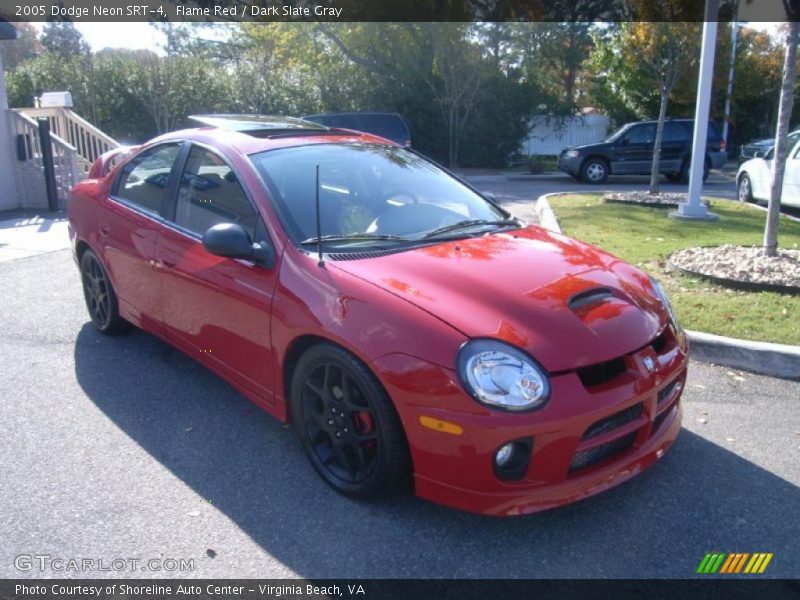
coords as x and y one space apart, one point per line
629 151
410 329
387 125
760 148
754 178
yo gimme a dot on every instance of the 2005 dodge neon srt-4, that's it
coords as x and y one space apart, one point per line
413 332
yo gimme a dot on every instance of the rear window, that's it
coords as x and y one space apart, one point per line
676 132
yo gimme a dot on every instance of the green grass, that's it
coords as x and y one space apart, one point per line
645 237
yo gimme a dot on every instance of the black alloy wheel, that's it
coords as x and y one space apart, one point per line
347 425
101 301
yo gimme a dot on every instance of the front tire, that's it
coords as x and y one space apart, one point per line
745 188
347 424
594 170
101 300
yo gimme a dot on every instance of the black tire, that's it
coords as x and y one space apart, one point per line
101 300
673 177
744 188
347 424
686 171
594 170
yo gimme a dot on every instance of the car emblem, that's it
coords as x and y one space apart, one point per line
649 364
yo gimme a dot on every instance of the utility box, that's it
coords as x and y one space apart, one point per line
55 99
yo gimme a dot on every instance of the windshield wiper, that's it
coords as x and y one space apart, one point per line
355 237
467 224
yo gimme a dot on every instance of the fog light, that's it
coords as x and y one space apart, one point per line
512 458
504 455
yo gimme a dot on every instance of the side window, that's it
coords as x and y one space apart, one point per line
210 194
145 178
642 134
675 132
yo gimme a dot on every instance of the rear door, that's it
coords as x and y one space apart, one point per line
216 309
128 222
675 137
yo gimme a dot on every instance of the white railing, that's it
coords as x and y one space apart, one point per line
87 139
66 162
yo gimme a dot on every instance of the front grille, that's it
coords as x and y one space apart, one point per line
659 343
592 456
601 372
665 392
613 422
660 418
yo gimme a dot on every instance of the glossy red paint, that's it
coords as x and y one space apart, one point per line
406 315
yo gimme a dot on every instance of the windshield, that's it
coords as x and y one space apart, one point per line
370 194
619 132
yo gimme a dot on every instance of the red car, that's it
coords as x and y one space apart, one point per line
410 329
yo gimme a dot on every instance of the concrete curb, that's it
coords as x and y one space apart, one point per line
547 217
763 358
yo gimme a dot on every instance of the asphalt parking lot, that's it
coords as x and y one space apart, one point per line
124 448
510 187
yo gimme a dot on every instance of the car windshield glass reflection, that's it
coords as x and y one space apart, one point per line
370 194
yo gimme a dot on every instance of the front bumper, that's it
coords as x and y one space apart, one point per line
565 464
570 165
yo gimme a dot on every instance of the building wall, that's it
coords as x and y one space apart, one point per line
550 135
8 188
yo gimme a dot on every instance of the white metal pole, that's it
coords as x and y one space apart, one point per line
693 209
729 91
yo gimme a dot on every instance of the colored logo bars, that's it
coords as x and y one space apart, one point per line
737 562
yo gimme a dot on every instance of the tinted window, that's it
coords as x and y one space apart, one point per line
389 126
366 188
641 134
210 194
145 178
675 132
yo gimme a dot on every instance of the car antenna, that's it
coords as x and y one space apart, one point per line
321 262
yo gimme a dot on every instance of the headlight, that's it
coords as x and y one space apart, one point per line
572 154
501 376
662 295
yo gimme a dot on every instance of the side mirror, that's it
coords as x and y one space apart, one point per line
232 241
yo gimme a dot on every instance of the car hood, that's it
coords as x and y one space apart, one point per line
597 146
567 303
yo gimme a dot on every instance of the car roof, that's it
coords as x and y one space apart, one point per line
248 134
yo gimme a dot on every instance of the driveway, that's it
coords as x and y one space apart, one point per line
124 448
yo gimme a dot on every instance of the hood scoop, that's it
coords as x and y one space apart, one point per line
583 300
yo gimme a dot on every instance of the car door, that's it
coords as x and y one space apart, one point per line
128 221
216 309
634 150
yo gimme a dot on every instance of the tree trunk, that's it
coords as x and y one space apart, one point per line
781 142
662 114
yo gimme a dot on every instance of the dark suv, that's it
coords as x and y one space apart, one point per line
629 151
387 125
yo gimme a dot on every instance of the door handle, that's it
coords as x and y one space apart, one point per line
105 229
